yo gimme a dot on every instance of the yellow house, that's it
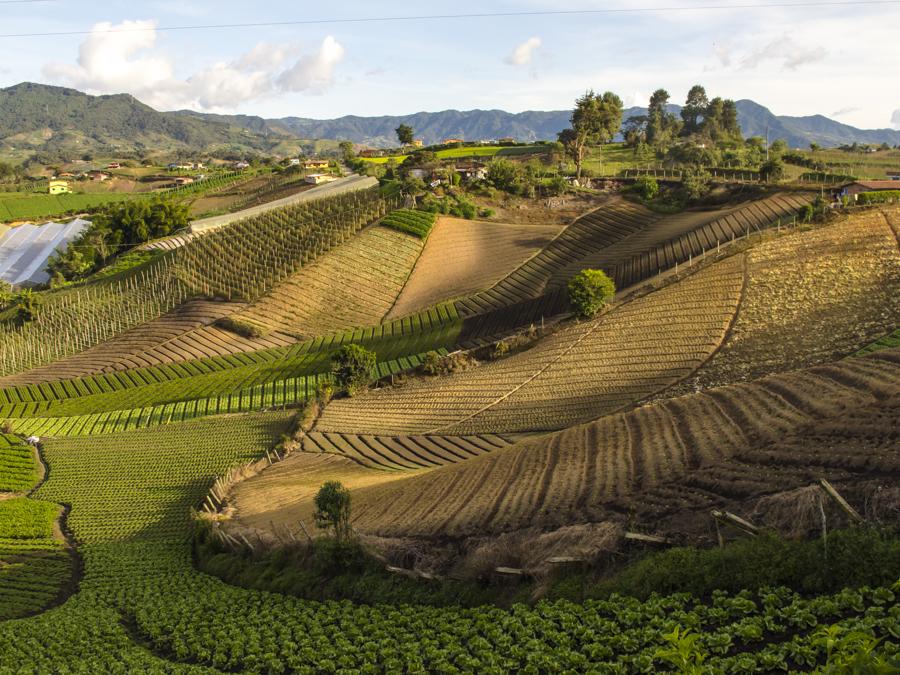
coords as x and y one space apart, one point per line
58 187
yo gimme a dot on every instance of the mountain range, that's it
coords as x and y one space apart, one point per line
38 118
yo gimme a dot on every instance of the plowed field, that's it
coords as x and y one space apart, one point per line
464 256
812 297
745 439
583 371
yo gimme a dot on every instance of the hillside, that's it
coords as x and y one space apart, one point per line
37 117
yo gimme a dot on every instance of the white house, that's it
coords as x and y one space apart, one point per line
319 178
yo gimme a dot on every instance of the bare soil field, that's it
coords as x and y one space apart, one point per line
688 454
464 256
812 297
282 493
578 373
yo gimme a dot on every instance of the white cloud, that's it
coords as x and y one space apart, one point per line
895 119
313 72
845 111
121 58
786 51
522 54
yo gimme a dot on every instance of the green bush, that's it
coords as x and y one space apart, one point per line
881 197
352 368
695 183
647 187
852 557
589 291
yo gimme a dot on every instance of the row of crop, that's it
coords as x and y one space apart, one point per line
244 259
278 394
18 471
432 329
416 223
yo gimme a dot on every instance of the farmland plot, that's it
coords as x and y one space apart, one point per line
464 256
811 297
590 233
741 433
583 371
354 285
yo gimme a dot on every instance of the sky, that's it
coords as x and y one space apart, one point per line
842 61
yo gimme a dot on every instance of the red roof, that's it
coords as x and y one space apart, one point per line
879 184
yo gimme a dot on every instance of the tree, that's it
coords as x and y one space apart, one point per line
596 119
662 125
589 291
778 147
347 150
694 109
504 174
773 169
814 147
634 130
26 304
405 134
352 366
332 513
6 295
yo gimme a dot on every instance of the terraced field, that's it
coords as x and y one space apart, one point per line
812 297
578 373
750 438
355 285
753 216
592 232
465 256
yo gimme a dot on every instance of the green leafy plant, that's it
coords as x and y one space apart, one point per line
589 291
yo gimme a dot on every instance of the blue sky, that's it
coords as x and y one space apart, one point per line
843 62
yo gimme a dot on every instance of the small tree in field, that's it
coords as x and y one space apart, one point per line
351 366
589 291
333 510
647 187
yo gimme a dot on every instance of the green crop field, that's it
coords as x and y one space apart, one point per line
18 471
483 151
25 206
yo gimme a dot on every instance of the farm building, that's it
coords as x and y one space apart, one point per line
319 178
473 171
451 141
315 164
417 143
183 180
98 176
854 189
241 165
58 187
24 250
294 162
893 175
113 165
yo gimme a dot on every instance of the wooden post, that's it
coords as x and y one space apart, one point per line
303 527
736 521
646 538
840 501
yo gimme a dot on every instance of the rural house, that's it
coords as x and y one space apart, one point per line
315 164
893 175
294 161
241 165
452 141
183 180
58 187
471 171
113 165
854 189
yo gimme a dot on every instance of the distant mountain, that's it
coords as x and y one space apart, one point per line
37 117
535 125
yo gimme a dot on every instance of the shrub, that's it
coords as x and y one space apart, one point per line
589 291
416 223
333 510
695 183
882 197
647 187
352 367
772 169
241 327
